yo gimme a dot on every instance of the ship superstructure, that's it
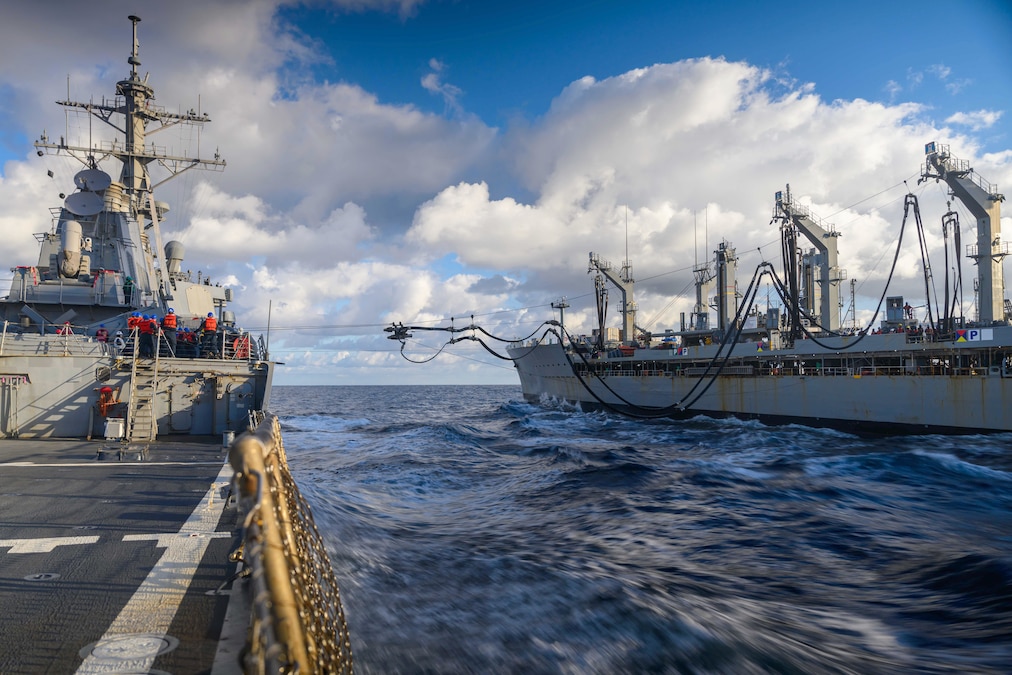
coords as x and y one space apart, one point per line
109 228
62 372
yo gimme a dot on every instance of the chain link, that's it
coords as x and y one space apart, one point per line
322 628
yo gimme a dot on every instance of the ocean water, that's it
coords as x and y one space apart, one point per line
472 532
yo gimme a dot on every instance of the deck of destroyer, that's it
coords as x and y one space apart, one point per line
111 564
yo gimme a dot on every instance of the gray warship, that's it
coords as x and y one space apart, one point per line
102 262
138 533
943 372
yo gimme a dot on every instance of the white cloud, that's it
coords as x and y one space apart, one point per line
671 158
24 189
404 8
939 70
976 121
246 227
433 82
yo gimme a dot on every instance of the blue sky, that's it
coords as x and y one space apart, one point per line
413 160
510 59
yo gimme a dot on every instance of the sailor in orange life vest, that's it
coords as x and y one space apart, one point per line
210 328
156 331
188 346
146 349
169 329
106 400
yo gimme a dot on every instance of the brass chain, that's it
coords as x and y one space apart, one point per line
297 617
312 575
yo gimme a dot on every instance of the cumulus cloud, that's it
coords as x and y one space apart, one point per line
246 227
650 155
976 121
663 161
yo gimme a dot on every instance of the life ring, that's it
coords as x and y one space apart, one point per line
240 347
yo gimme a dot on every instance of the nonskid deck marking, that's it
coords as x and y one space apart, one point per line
153 606
44 544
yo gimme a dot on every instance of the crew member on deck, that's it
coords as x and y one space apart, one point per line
128 290
169 329
147 338
210 328
188 346
156 333
102 334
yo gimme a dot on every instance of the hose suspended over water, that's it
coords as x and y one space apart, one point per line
787 293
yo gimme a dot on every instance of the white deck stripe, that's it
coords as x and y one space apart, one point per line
154 604
44 544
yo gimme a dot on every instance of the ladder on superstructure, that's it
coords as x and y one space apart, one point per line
141 422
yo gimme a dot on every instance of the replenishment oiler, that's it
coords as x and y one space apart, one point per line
128 543
942 372
939 372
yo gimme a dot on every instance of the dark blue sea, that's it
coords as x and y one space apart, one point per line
472 532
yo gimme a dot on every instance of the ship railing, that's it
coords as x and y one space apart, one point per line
239 345
836 371
875 371
297 623
18 342
738 371
959 166
223 344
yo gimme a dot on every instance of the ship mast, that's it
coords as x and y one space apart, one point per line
134 102
136 95
983 200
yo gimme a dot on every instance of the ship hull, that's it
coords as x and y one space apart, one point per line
50 388
907 401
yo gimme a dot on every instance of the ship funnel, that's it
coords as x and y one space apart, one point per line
174 252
